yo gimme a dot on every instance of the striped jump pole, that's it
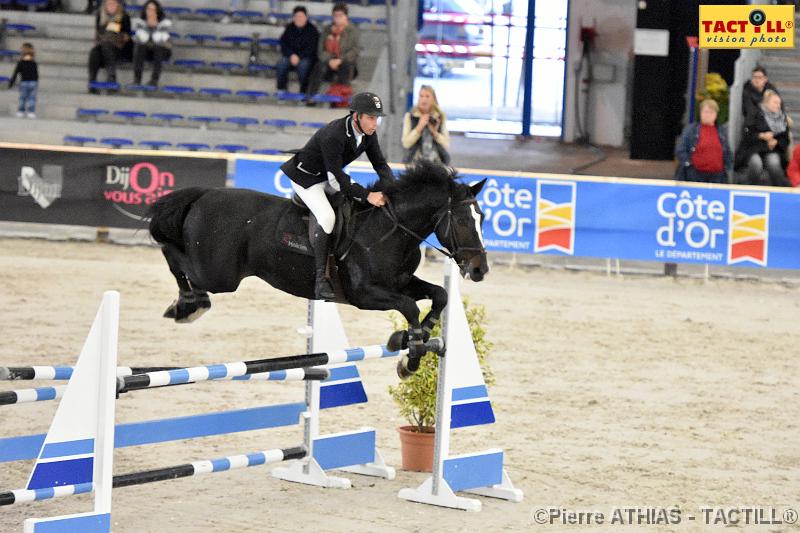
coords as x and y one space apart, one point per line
63 373
222 464
40 394
238 369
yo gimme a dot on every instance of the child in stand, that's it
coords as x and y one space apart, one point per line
29 74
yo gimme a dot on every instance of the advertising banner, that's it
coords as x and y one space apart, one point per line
87 188
619 218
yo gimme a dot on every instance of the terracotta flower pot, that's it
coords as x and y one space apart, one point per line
417 448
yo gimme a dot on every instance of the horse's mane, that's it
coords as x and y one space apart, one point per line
422 175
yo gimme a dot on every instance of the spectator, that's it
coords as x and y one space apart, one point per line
425 133
112 37
151 41
703 151
337 52
753 94
29 81
298 49
89 6
765 144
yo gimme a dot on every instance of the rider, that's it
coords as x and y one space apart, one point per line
316 172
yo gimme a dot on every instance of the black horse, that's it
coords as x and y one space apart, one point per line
214 238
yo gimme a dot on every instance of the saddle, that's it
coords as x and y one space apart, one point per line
292 234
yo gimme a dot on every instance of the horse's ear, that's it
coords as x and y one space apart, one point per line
476 189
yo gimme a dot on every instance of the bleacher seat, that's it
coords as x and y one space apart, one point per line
247 14
177 89
321 19
212 13
90 113
4 79
200 38
253 95
129 116
177 11
204 120
287 96
282 17
237 40
215 91
227 65
360 20
326 98
313 125
11 54
155 145
242 122
116 142
255 67
233 148
166 118
189 63
80 140
380 22
139 88
104 86
20 28
269 41
280 123
33 4
192 146
268 151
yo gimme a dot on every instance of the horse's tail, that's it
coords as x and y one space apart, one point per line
168 213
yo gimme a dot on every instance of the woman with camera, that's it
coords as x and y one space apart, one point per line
425 133
112 40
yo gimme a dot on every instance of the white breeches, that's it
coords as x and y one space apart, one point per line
316 198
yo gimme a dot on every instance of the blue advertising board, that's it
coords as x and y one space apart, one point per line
606 217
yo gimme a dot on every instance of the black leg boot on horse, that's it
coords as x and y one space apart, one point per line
320 242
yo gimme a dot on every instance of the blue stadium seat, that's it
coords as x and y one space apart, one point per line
189 63
280 123
360 20
268 151
242 122
176 11
269 41
215 91
253 95
313 125
33 4
210 12
21 28
166 117
176 89
116 142
200 38
204 120
327 98
141 88
233 148
90 113
155 145
227 65
237 40
80 140
130 116
247 14
285 17
255 67
4 79
287 96
9 53
174 35
321 19
380 22
104 86
192 146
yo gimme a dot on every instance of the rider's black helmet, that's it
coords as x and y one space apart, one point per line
368 103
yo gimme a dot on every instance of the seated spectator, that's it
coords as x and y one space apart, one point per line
425 133
151 41
753 94
703 151
112 39
765 144
793 170
337 52
298 49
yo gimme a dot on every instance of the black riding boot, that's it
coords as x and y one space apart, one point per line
319 242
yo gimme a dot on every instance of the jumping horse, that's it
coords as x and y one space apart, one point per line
214 238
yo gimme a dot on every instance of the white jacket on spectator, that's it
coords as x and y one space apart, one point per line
158 35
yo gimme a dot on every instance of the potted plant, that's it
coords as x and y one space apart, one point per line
416 396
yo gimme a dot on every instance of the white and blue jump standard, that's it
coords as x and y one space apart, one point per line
462 400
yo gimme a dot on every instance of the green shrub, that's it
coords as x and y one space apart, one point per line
416 396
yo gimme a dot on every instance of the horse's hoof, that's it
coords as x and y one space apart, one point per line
170 312
398 341
192 316
407 366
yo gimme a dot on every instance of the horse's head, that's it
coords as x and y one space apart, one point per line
459 229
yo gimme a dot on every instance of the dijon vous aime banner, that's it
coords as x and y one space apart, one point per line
626 219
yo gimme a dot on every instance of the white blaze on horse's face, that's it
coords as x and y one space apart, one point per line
477 218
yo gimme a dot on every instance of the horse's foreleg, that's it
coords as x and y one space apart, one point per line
419 289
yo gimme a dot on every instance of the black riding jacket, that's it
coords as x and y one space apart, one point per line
332 148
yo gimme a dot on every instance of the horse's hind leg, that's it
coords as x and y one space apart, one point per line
191 303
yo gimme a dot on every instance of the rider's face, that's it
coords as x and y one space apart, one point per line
368 123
